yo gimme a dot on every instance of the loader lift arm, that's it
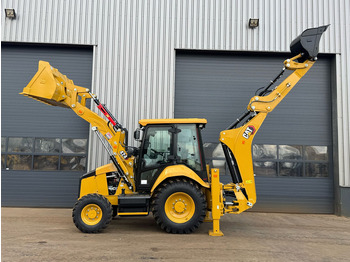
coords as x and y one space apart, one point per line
53 88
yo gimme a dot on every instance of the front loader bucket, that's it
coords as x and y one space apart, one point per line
48 86
307 43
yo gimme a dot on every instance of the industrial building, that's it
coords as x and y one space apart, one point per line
166 59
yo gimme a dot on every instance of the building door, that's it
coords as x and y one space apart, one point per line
44 148
292 150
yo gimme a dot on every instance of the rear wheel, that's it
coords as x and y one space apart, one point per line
179 206
92 213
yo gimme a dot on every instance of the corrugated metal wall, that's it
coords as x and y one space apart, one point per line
135 44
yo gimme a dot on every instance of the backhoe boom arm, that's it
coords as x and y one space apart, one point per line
237 140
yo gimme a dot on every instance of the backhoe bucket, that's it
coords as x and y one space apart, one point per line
307 43
48 86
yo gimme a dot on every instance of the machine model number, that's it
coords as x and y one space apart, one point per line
248 132
123 154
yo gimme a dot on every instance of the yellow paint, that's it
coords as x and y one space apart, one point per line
178 171
106 169
91 214
239 140
207 217
179 207
101 182
243 152
51 87
241 200
208 172
207 192
46 85
124 186
144 122
268 103
88 186
97 183
217 203
113 199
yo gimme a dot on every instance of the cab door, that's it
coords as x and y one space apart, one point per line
157 152
189 149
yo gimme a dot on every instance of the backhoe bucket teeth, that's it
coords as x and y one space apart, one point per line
48 86
307 43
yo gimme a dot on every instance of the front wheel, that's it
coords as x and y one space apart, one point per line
179 206
92 213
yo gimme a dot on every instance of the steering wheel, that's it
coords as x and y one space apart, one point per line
157 152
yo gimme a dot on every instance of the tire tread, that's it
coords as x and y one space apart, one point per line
157 207
105 220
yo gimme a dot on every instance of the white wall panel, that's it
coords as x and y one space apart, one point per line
135 43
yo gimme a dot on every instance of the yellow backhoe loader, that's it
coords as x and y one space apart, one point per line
167 174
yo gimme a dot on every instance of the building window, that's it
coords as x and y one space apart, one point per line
277 160
46 154
215 157
291 160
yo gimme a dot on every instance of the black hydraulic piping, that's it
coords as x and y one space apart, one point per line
271 83
120 171
262 93
116 126
239 119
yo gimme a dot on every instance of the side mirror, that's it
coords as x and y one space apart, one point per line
137 134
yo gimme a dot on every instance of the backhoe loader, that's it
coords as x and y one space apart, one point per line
166 174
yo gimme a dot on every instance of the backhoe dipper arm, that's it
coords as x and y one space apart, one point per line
237 141
53 88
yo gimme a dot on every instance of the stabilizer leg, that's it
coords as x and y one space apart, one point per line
217 203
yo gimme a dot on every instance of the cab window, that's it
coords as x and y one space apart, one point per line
156 148
188 147
155 153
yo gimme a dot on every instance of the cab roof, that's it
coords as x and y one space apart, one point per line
144 122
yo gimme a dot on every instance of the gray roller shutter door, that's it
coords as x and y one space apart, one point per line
218 86
25 117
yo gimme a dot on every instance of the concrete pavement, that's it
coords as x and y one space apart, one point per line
41 234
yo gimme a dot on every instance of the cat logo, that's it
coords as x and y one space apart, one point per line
248 132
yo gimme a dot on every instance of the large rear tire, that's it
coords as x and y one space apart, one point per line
92 213
179 206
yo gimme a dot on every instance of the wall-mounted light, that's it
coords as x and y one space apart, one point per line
10 13
253 22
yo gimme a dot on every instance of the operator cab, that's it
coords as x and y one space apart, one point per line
167 142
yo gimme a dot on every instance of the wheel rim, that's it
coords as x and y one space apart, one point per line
91 214
179 207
